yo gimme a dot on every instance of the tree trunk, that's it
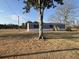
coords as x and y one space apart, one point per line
41 24
65 21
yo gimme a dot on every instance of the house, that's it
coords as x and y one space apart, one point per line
34 26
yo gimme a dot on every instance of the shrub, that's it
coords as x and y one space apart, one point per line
68 28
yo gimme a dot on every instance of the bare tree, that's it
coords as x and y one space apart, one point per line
55 19
65 12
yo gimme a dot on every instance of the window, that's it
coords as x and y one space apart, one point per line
51 26
36 26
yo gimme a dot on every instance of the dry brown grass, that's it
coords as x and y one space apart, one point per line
13 42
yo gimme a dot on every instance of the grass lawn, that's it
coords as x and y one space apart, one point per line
59 45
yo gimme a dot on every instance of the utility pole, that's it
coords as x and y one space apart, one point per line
18 23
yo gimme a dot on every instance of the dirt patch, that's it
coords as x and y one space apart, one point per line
59 47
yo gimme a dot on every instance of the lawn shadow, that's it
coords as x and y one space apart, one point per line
49 35
61 35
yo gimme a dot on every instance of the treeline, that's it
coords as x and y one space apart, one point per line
8 26
14 26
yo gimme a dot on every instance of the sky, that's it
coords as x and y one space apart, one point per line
11 9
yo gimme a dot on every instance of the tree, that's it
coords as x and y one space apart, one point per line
66 12
40 6
55 19
35 22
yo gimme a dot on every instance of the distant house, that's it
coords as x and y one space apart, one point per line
34 26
